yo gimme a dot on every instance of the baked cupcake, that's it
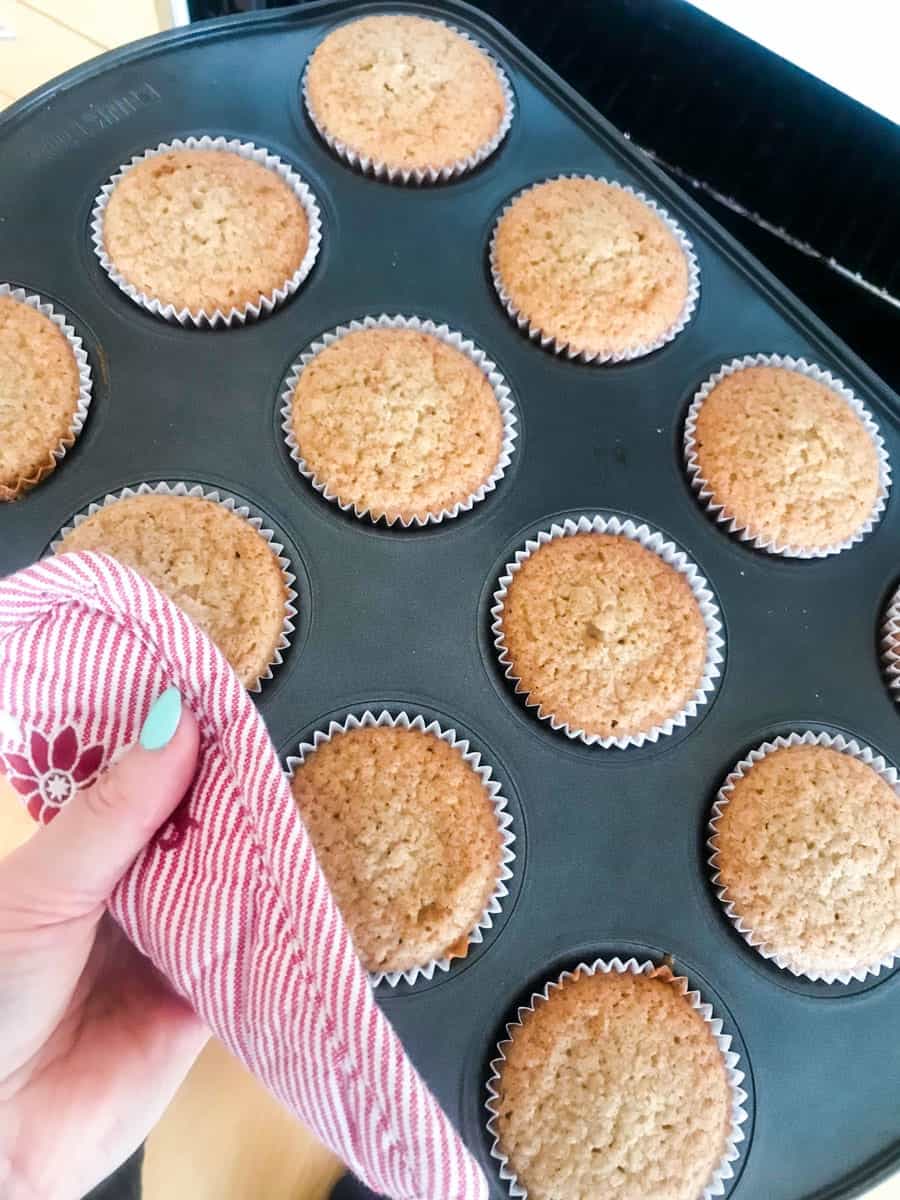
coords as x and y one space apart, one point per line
44 391
207 230
398 423
407 832
806 855
614 1084
787 455
213 563
407 97
592 269
612 641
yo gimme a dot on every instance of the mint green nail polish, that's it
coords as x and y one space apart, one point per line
162 720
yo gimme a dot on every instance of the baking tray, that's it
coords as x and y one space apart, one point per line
610 843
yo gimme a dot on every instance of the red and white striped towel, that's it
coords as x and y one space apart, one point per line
228 900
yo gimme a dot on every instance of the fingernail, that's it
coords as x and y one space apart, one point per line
162 720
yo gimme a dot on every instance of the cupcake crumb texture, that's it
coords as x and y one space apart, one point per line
591 265
614 1086
603 634
787 458
39 389
211 562
405 91
809 856
204 230
407 836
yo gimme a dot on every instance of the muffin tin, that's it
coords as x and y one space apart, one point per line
610 844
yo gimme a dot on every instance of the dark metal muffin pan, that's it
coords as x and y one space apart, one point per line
610 843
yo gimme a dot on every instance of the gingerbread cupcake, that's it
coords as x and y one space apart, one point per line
593 270
399 420
787 456
615 1080
406 97
608 630
412 835
45 390
207 231
212 558
805 842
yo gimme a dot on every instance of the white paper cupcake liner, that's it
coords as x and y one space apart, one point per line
234 506
238 316
439 173
85 386
720 512
565 348
724 1171
845 746
890 645
368 720
449 337
669 553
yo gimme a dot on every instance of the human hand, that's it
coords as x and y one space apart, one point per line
93 1041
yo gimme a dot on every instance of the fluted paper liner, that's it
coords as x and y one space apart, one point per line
845 746
725 1170
82 404
239 316
256 520
369 720
438 172
719 511
561 346
488 368
890 645
670 554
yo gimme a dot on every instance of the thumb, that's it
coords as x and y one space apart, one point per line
70 867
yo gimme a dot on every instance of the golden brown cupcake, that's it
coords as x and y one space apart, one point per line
613 1086
590 266
397 423
210 561
204 230
39 396
808 854
603 635
785 457
406 94
407 836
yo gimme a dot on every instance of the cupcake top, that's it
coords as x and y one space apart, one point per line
39 391
407 836
603 634
204 230
787 458
613 1086
211 562
397 422
405 92
591 265
809 857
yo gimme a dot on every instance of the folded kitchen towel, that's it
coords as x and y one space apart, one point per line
227 900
